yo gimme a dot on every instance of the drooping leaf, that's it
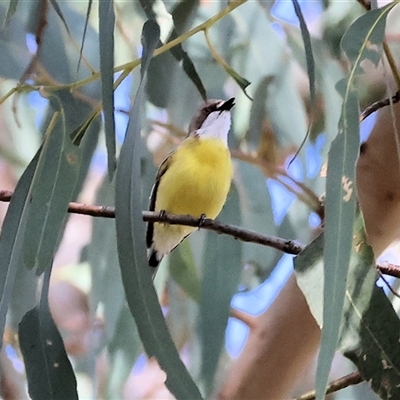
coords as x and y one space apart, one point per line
183 270
308 50
139 289
257 214
222 267
370 342
183 15
60 15
340 195
47 366
106 38
340 206
258 113
123 350
51 191
88 11
240 80
11 238
358 43
290 122
106 285
163 69
15 56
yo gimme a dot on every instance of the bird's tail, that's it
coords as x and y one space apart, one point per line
154 261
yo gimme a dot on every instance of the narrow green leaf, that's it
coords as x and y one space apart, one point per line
11 239
370 342
163 69
183 270
123 350
340 195
139 289
221 277
366 31
258 112
57 9
308 50
48 369
106 278
15 56
240 80
256 210
289 122
51 191
12 8
106 40
340 206
88 11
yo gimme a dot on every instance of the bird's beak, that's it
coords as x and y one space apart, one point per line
227 105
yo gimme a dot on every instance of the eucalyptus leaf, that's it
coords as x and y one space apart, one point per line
51 191
123 350
340 206
60 14
183 270
15 56
222 268
136 276
308 50
358 41
257 214
11 238
163 70
370 342
258 112
48 368
106 39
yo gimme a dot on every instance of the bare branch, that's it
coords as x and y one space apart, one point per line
378 105
245 235
389 269
351 379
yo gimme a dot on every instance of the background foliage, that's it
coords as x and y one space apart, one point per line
93 98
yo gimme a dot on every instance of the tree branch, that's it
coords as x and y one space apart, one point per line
389 269
378 105
351 379
245 235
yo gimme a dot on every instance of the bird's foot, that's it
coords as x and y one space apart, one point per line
162 215
202 220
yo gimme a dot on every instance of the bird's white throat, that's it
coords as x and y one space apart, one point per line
216 125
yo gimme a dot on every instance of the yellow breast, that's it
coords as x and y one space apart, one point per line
197 180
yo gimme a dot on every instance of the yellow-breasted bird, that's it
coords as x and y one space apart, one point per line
194 179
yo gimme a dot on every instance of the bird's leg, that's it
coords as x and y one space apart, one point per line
162 215
202 219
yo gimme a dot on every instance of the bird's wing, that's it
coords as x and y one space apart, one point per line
161 171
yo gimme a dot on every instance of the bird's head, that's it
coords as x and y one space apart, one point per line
213 119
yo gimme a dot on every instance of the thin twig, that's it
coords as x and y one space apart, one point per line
351 379
245 235
389 269
379 104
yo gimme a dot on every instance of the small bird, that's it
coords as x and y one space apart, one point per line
194 179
